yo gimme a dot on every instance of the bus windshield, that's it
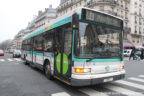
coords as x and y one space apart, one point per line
95 41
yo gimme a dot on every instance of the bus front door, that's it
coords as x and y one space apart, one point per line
63 53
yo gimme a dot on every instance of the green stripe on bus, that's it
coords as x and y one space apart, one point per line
59 23
40 54
96 60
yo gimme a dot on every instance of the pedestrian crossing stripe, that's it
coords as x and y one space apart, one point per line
141 76
17 59
92 92
130 84
2 60
10 59
122 90
110 86
60 94
136 79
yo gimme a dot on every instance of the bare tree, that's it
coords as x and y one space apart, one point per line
5 44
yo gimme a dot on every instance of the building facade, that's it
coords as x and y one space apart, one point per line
42 19
137 22
18 39
129 10
45 17
38 22
115 7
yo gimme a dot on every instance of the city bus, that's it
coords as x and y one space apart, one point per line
83 47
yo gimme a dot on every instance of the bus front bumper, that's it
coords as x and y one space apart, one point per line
84 80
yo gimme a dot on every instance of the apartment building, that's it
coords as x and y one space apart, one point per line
42 19
115 7
131 11
18 39
38 22
137 22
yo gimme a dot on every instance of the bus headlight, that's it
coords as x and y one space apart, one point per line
122 67
82 70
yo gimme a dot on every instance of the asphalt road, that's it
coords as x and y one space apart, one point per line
18 79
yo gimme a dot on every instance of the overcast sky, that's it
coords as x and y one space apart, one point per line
15 15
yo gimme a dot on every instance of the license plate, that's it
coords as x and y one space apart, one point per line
108 80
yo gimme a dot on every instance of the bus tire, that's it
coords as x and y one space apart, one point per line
26 63
47 70
24 57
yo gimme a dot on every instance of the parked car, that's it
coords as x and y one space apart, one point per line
127 52
1 53
16 53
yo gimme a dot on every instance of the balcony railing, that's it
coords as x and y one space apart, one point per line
111 12
92 2
88 4
68 4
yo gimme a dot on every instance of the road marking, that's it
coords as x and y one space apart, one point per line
13 63
92 92
141 76
10 59
2 60
17 59
60 94
131 84
122 90
136 79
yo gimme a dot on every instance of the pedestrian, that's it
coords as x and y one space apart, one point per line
132 54
135 57
142 54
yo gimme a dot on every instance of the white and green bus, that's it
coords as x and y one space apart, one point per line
83 47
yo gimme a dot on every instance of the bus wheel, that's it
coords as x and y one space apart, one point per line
26 63
47 71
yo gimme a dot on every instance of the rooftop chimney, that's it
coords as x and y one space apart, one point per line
39 12
46 9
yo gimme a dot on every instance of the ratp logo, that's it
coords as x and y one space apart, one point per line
107 68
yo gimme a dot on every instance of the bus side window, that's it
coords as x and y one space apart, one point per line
68 41
48 42
39 43
58 40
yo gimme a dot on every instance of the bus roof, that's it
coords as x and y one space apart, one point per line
60 21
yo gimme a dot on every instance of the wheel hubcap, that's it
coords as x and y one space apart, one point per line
47 69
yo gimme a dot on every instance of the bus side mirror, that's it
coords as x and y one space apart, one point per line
75 21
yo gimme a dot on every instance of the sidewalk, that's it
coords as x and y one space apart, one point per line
127 59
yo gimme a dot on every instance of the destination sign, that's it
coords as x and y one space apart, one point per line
101 18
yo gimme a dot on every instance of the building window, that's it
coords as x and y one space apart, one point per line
126 25
137 41
121 3
101 8
135 3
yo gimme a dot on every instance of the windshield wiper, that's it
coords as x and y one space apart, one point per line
90 59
